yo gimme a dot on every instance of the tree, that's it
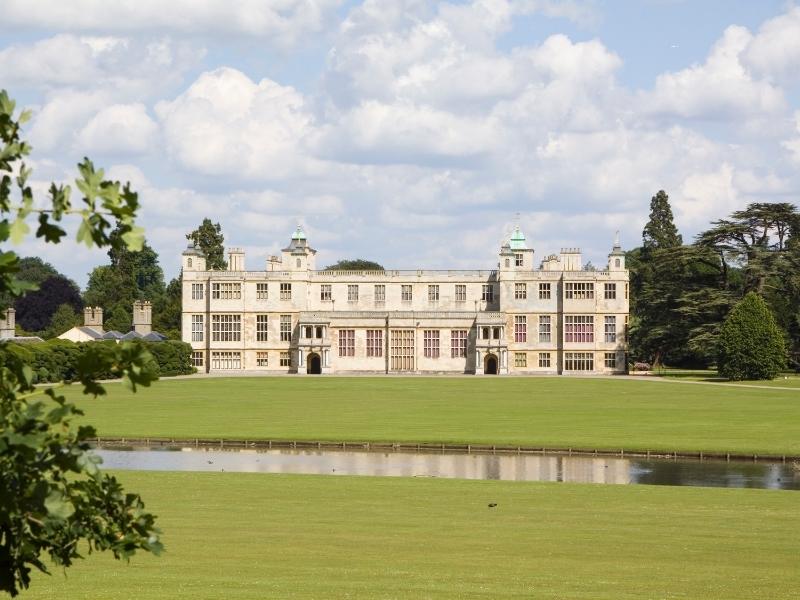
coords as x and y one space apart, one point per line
35 310
64 319
120 319
760 246
139 267
132 275
751 345
658 270
32 269
660 230
208 237
355 264
54 496
167 313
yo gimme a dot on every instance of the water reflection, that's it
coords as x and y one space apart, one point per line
525 467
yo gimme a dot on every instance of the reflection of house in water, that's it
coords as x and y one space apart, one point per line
508 467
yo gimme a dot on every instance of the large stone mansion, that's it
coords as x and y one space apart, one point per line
515 319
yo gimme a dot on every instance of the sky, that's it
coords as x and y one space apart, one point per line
410 132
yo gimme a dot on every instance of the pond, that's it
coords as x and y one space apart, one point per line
508 467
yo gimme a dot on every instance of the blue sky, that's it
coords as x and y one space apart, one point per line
406 131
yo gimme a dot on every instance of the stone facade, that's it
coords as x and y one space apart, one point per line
515 319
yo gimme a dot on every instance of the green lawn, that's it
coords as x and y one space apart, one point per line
245 536
791 380
552 412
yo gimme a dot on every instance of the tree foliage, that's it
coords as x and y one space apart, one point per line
355 264
35 310
208 237
680 294
53 494
131 275
751 345
64 319
660 230
167 310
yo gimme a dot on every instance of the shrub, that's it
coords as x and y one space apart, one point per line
751 345
57 360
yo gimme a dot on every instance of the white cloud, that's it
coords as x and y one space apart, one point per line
227 124
124 67
118 129
775 49
793 144
704 196
281 21
54 125
404 133
721 88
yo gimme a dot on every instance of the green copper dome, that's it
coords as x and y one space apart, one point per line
299 234
517 241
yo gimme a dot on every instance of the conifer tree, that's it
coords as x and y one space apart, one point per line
751 345
660 230
208 237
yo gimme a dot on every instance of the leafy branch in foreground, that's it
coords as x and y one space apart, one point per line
54 499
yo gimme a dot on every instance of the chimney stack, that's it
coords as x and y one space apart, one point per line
8 322
142 317
93 317
235 259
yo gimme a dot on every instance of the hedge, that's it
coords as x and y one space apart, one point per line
55 360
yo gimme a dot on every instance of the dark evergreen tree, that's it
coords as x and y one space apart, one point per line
660 230
209 239
751 345
32 270
36 309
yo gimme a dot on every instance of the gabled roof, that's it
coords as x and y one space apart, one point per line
154 336
131 335
91 332
111 335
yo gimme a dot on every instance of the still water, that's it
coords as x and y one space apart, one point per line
525 467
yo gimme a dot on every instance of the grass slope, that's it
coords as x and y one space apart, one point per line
552 412
245 536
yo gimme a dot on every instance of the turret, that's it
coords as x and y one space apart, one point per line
616 259
193 259
515 254
298 255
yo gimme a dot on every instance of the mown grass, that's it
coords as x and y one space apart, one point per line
790 380
606 414
245 536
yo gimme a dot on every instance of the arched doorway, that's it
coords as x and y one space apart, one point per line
314 364
490 365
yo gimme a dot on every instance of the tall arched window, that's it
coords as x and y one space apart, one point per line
616 263
189 262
